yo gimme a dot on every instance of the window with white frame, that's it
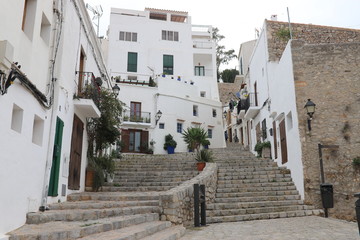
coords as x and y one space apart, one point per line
161 125
195 110
128 36
214 114
179 127
202 94
170 35
210 133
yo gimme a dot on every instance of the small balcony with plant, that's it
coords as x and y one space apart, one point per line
136 118
249 106
87 94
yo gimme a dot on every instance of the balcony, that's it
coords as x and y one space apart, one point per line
136 118
88 94
249 107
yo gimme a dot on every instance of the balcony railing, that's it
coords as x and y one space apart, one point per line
136 117
203 45
86 82
249 101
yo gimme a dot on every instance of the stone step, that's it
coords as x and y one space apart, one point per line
162 173
102 196
254 185
245 211
87 214
101 204
172 233
240 177
152 179
255 194
136 189
255 189
143 184
260 216
135 232
254 169
239 180
79 229
274 177
155 169
250 205
256 199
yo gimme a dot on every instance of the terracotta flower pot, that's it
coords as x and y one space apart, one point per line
200 166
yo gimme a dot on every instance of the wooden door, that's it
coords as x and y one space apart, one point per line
283 145
125 138
135 111
81 73
241 136
230 135
256 99
55 167
275 139
75 154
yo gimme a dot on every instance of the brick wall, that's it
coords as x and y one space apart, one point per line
312 34
329 74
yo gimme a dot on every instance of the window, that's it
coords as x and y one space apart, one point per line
28 22
128 36
38 130
195 110
168 63
17 118
170 35
132 62
45 29
263 128
214 112
202 94
210 133
162 125
199 71
179 127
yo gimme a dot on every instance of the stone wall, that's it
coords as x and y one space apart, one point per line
177 204
329 74
312 34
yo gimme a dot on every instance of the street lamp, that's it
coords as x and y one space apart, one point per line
116 90
310 109
157 117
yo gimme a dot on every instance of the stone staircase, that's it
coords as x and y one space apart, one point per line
251 188
127 209
136 172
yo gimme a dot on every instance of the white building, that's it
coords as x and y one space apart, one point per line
268 112
147 44
43 142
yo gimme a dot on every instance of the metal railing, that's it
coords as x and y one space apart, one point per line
135 116
249 101
88 85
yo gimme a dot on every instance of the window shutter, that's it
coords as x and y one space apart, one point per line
132 62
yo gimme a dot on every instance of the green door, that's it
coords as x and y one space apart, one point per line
55 168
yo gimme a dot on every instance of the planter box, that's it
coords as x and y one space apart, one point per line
170 150
266 153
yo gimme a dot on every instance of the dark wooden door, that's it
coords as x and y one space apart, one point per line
283 145
241 136
75 154
135 140
275 139
55 167
81 74
125 138
135 111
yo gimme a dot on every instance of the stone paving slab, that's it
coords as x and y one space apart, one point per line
299 228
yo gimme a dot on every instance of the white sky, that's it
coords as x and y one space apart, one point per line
237 20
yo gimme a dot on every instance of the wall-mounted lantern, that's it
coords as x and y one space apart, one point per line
310 109
157 117
116 90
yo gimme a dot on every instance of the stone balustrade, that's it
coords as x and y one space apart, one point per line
177 204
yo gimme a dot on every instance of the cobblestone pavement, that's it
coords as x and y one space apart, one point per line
304 228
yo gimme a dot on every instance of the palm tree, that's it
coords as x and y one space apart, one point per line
194 137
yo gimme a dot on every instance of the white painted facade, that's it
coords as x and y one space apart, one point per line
176 94
28 128
273 83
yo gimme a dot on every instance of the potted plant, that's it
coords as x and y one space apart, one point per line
202 157
206 143
170 144
194 137
263 149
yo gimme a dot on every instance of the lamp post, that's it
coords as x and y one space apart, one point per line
157 117
310 109
116 90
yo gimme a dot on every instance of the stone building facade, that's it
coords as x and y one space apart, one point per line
329 75
325 69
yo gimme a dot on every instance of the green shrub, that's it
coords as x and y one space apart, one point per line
356 161
204 155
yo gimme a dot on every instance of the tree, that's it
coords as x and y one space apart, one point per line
228 75
223 56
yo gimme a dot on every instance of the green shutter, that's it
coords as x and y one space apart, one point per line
168 62
55 168
132 62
